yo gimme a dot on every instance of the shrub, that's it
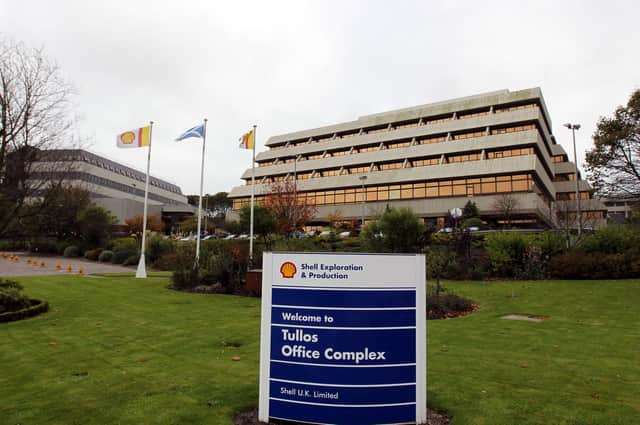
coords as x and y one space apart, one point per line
157 246
399 230
119 257
11 298
447 305
93 254
576 265
72 251
105 256
506 252
167 262
125 244
612 239
35 307
131 260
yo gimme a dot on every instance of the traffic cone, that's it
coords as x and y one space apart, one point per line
69 268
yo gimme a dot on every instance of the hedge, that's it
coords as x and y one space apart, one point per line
37 308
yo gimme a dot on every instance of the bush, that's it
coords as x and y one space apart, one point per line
35 307
576 265
223 262
612 239
93 254
72 251
167 262
11 298
105 256
399 230
125 244
131 260
119 257
157 246
447 305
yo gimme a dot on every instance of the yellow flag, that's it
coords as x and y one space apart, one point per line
134 138
247 141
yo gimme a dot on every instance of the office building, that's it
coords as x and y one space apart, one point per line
432 158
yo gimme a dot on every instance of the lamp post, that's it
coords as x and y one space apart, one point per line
573 128
362 179
295 194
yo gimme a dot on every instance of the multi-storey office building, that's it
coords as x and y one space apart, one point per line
112 185
430 158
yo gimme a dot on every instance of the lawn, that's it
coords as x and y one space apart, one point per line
116 350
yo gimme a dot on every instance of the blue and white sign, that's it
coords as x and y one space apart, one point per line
343 338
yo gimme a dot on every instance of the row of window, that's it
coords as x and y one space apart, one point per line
434 189
100 181
411 123
402 144
571 196
419 162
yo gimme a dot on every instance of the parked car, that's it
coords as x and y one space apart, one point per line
230 237
344 234
327 234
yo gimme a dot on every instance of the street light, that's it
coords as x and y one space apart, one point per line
573 128
362 179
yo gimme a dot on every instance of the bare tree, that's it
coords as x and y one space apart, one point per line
35 115
290 211
505 205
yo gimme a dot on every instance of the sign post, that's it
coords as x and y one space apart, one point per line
343 338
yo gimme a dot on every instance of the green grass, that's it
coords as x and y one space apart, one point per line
116 350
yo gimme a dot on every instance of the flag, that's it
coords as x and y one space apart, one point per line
247 140
134 138
197 131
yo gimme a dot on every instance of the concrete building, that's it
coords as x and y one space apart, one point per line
432 158
112 185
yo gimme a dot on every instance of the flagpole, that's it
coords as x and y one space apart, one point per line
141 273
253 188
204 140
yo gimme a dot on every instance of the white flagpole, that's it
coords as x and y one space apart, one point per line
141 273
253 188
204 140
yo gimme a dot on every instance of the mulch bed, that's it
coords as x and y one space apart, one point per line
250 417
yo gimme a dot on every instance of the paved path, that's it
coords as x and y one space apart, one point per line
23 268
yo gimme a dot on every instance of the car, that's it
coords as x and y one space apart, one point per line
243 236
344 234
221 235
187 238
327 234
310 233
230 237
206 238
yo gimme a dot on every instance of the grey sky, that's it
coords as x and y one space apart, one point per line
289 66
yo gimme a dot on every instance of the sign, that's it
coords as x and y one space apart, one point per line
343 338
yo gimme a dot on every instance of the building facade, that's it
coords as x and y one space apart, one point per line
490 148
112 185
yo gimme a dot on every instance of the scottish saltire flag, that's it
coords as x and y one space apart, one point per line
197 131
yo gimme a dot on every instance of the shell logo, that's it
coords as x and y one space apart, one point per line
128 137
288 269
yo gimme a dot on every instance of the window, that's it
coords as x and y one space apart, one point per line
472 114
509 153
513 129
507 108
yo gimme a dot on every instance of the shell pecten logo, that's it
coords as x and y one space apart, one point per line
288 270
128 137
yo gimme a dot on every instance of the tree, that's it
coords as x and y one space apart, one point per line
470 210
290 213
35 115
399 230
135 224
264 222
54 214
95 224
505 204
613 165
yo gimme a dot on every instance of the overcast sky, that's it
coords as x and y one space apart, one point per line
289 66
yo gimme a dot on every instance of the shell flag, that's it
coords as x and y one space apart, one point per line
247 141
134 138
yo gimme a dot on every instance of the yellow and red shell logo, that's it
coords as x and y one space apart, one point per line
128 137
288 269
